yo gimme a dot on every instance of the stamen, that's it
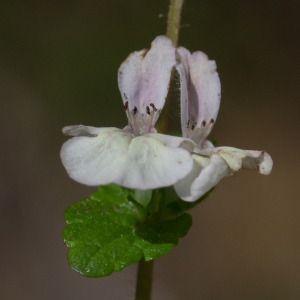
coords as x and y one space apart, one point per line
203 123
154 110
153 106
188 124
128 114
194 125
141 122
148 110
125 96
211 122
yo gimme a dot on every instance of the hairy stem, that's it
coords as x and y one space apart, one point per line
144 275
174 18
173 26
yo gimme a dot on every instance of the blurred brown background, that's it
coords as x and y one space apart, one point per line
58 66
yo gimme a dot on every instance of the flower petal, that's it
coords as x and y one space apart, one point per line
144 76
183 70
144 162
175 142
223 162
200 93
206 173
259 161
96 160
153 164
80 130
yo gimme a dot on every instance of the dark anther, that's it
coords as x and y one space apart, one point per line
125 96
212 121
153 106
135 110
148 110
188 124
204 123
194 125
126 105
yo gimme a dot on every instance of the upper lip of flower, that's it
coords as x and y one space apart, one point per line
143 80
200 94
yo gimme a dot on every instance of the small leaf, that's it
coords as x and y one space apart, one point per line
110 231
174 206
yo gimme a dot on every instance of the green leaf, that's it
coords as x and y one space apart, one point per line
110 231
166 231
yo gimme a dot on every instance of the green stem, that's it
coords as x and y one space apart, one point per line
173 26
174 18
144 280
144 275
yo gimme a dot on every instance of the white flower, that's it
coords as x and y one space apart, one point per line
135 157
200 101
